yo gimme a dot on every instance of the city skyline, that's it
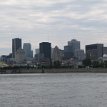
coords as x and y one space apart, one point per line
55 21
34 49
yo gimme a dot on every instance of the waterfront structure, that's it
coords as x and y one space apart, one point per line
45 52
94 51
16 44
27 50
20 56
70 49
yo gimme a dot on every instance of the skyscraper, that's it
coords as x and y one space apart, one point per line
75 44
27 50
16 44
45 49
71 48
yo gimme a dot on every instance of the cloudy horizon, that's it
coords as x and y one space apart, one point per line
56 21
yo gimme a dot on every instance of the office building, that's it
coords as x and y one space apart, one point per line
70 49
20 56
94 51
75 44
45 49
104 50
27 50
56 54
16 44
36 51
80 55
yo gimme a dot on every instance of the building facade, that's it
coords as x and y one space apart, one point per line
45 51
80 55
70 49
56 55
20 56
104 50
28 51
94 51
16 44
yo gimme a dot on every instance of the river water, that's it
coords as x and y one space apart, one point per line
53 90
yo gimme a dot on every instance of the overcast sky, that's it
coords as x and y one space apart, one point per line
56 21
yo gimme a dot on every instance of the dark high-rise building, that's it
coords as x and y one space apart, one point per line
94 51
45 50
68 52
16 44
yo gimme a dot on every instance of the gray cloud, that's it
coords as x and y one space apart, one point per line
52 20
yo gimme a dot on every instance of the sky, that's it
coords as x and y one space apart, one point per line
55 21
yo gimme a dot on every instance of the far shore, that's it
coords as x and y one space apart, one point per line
54 70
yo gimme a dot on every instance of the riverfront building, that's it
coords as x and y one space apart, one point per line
16 44
94 51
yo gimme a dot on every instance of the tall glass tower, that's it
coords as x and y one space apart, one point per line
16 44
45 49
28 51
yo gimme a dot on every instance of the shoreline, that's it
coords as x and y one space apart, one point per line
54 70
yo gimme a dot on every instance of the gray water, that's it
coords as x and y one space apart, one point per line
53 90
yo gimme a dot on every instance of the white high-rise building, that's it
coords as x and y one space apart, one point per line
56 55
20 56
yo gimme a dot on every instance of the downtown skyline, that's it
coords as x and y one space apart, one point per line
55 21
52 46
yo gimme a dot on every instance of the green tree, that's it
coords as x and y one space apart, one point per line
95 64
87 62
57 64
